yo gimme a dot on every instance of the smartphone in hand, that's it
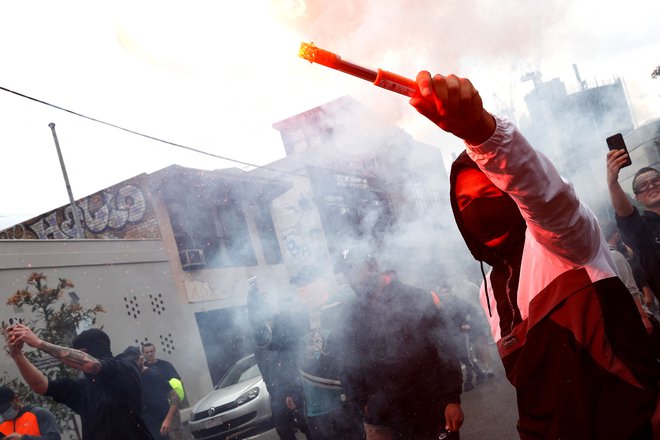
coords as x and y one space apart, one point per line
616 142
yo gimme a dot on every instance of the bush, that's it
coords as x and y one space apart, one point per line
57 321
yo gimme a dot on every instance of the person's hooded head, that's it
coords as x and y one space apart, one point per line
132 354
360 268
95 342
8 404
488 218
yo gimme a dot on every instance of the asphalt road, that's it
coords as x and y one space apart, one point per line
490 411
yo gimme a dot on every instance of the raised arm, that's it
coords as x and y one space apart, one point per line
549 205
620 201
77 359
454 105
35 379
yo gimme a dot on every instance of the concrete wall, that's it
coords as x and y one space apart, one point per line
131 279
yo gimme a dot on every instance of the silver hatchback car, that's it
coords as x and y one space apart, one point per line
238 407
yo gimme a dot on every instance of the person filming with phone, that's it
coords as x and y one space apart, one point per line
640 231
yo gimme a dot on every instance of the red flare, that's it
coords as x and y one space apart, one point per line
381 78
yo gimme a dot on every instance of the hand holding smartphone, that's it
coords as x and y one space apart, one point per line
616 142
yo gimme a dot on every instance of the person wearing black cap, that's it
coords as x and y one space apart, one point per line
107 397
160 400
400 364
25 422
566 327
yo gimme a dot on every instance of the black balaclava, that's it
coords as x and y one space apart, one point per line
500 211
95 341
510 220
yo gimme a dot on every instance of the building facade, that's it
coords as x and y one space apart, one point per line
168 254
570 127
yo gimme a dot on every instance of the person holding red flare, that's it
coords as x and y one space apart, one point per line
566 328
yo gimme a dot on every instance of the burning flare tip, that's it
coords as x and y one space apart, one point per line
308 51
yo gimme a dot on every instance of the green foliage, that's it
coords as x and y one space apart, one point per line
56 321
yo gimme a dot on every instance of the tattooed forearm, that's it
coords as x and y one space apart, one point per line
73 358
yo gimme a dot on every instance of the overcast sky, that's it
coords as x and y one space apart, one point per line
215 75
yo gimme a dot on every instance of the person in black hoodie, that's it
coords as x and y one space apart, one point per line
108 397
400 365
567 329
160 401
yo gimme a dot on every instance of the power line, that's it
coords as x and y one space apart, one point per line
217 156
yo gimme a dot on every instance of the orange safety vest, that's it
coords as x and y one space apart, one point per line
25 423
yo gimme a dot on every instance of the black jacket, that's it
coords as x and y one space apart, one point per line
109 403
642 233
398 360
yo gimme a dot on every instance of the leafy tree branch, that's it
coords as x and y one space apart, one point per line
56 320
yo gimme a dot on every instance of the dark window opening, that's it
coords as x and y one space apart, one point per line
211 231
351 207
225 338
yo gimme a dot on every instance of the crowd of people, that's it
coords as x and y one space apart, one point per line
567 302
115 397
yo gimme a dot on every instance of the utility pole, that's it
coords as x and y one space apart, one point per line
74 209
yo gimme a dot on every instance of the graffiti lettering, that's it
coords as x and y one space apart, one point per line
300 229
14 233
131 200
114 210
111 209
96 217
68 225
47 228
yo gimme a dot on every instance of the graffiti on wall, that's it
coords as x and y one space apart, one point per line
114 211
121 211
299 229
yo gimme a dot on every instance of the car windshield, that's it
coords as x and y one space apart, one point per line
242 370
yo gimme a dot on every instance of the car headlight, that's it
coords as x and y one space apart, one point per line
250 394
